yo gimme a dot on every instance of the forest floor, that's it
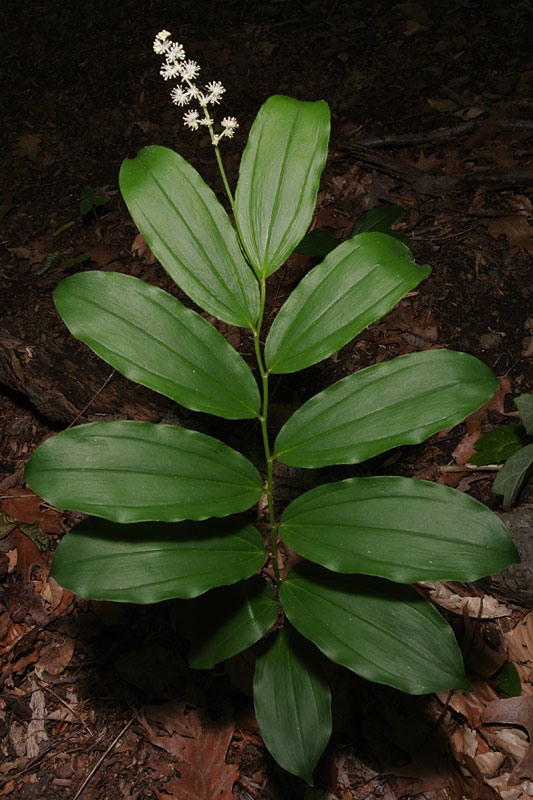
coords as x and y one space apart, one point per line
431 110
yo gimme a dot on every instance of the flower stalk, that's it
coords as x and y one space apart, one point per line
177 67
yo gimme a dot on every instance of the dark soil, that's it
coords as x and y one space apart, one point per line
81 92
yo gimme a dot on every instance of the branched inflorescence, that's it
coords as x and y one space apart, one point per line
177 67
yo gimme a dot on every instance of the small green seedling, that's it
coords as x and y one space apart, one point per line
55 259
167 504
512 444
91 201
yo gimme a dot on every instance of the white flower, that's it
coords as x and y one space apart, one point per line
180 96
175 52
161 45
175 67
190 118
230 125
189 70
216 90
170 70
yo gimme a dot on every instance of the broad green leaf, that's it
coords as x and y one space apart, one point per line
226 621
151 338
355 285
397 528
292 702
512 476
383 631
187 229
135 471
317 244
377 219
524 403
148 562
279 177
397 402
508 681
497 445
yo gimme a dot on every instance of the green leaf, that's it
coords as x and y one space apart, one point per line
226 621
152 339
189 232
394 403
135 471
524 403
355 285
377 219
513 474
279 178
383 631
317 244
292 703
508 681
4 210
397 528
497 445
64 227
148 562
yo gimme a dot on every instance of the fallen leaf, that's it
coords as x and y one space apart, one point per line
26 506
29 145
466 447
414 11
517 230
103 254
442 104
206 775
516 711
55 655
520 649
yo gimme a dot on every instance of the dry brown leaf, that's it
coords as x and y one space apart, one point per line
516 711
414 11
520 649
470 704
517 230
25 506
103 254
466 447
29 145
444 597
202 756
55 655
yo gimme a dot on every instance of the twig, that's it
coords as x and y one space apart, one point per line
67 706
100 760
470 468
93 398
444 134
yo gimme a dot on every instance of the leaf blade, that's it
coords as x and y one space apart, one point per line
401 529
383 631
224 622
148 563
397 402
136 471
510 479
369 273
152 339
292 703
279 177
189 232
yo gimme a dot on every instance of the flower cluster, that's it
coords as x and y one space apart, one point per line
177 67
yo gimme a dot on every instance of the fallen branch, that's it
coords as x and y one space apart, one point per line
437 185
444 134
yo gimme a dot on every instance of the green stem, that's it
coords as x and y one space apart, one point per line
264 430
263 372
